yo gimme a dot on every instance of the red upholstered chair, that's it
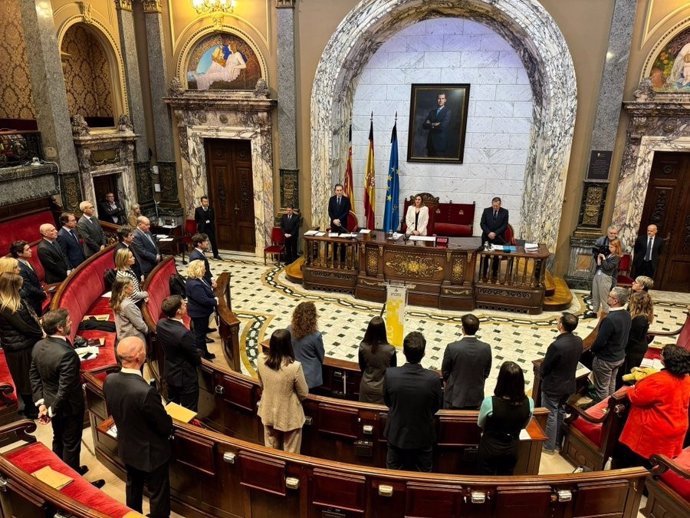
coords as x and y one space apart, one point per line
624 280
669 486
352 224
189 231
510 235
277 246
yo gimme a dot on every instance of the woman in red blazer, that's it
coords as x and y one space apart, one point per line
658 417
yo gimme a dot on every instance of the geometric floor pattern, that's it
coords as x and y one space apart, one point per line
263 299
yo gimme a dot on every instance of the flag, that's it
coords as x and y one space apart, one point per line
347 182
391 214
370 183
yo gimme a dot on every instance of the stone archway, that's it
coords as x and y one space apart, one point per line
534 35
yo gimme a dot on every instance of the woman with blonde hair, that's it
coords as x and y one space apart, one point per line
283 388
128 319
201 303
124 259
307 342
134 213
603 281
9 265
19 332
642 313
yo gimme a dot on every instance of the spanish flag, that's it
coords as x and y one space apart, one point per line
347 182
370 182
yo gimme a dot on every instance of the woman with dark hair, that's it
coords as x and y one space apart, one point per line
307 342
128 318
641 311
502 417
19 332
375 356
658 417
284 387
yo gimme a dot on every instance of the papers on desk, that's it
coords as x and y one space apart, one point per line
165 239
103 318
654 364
524 435
364 231
320 234
179 412
348 234
333 234
581 370
396 236
430 239
168 226
112 431
87 353
311 232
531 247
53 478
160 237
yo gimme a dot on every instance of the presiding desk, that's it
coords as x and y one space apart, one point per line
446 276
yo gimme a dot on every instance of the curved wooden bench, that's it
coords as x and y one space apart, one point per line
214 475
24 496
669 486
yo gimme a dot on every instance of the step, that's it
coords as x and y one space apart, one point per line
562 296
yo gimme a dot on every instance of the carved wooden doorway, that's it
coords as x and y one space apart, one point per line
667 205
230 192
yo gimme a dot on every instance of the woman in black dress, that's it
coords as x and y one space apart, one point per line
502 417
641 311
19 332
375 356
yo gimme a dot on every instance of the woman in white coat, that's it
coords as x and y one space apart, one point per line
417 218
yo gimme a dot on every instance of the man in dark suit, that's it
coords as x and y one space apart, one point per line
69 240
413 395
338 209
466 365
31 291
494 224
289 224
438 122
145 245
200 243
111 211
143 429
125 238
53 259
56 387
90 229
182 356
646 253
205 218
558 378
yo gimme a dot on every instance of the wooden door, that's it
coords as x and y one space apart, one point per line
231 193
667 205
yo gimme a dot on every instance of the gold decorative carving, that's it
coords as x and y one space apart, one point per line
85 10
415 266
16 100
457 272
285 4
125 5
152 6
372 261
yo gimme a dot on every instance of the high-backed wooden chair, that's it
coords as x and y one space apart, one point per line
277 246
430 201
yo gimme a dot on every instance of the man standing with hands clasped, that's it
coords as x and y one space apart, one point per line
205 218
289 224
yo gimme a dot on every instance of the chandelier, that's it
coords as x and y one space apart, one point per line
214 7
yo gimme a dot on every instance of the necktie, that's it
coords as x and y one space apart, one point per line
74 235
338 200
648 255
438 110
495 214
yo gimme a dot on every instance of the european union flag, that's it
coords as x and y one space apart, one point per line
391 216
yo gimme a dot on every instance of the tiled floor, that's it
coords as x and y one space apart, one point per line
264 300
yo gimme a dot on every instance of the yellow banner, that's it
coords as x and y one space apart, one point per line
396 302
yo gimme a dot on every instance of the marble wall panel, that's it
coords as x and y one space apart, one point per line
540 58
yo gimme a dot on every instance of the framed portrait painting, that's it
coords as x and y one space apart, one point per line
438 121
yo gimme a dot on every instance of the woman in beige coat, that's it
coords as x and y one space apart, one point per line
284 387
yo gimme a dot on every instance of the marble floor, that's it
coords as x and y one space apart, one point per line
264 299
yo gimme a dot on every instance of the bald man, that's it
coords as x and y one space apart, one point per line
647 251
146 246
51 255
143 429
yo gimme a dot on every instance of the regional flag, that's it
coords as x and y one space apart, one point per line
391 214
370 183
347 182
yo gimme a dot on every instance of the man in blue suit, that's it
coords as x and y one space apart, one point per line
69 240
438 122
146 246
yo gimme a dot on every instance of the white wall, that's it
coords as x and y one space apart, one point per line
447 50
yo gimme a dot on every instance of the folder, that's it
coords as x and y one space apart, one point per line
179 412
51 477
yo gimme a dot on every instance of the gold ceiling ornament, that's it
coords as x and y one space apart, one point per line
125 5
217 9
85 10
152 6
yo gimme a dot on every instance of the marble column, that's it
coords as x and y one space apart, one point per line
289 173
609 106
48 84
158 84
135 103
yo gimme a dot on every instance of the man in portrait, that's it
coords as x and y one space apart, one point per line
438 123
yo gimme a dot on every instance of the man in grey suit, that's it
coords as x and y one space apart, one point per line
90 229
466 365
145 245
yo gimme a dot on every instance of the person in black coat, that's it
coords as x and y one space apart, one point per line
32 290
558 378
646 253
289 224
143 430
201 304
56 386
200 243
145 245
19 332
69 240
338 209
413 396
182 357
494 224
205 218
53 259
112 211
